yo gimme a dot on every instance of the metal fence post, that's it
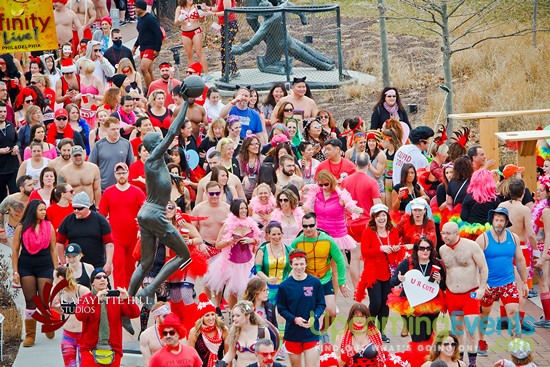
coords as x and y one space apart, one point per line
226 34
287 61
339 41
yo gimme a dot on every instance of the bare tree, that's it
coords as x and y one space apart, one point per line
535 23
384 43
461 25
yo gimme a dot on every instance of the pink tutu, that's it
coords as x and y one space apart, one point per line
345 243
224 273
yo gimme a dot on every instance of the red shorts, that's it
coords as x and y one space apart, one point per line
298 348
356 232
147 54
462 302
506 293
191 34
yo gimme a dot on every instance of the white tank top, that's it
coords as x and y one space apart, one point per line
35 172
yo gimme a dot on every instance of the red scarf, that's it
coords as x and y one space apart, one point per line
52 133
211 341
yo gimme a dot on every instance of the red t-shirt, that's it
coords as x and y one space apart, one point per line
363 189
187 357
56 214
137 169
345 167
160 84
121 208
135 145
50 94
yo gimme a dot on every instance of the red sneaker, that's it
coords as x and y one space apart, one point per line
482 348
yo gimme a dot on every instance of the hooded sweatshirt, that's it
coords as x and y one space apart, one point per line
103 68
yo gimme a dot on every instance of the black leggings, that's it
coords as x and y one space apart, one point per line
378 295
7 182
421 327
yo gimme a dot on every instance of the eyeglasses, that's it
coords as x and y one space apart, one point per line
324 117
424 248
168 332
120 173
447 233
215 193
391 96
288 109
283 200
190 72
309 225
447 344
61 118
267 354
79 208
29 100
101 277
323 184
69 192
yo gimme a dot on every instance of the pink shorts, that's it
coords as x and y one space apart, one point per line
191 34
506 293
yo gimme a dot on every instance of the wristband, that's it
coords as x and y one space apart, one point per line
3 230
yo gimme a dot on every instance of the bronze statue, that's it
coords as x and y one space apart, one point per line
152 219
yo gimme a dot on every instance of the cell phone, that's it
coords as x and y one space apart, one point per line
113 293
287 86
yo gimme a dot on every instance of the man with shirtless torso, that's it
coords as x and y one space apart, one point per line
86 14
82 176
197 115
100 9
286 172
149 340
466 274
66 21
214 160
522 226
13 207
298 99
65 146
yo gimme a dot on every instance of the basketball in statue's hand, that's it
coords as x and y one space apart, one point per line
193 86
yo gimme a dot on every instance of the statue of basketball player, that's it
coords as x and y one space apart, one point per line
152 215
272 32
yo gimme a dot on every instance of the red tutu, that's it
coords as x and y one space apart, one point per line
401 306
197 268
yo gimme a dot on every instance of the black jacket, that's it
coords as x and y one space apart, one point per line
149 33
114 56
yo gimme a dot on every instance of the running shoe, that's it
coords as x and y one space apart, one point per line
482 348
385 339
532 294
542 323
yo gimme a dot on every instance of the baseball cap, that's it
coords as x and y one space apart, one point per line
73 249
61 112
378 208
511 169
519 348
421 133
77 150
334 143
122 165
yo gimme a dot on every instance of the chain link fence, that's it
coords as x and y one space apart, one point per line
277 43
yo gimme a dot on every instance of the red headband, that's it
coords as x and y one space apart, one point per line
297 254
360 124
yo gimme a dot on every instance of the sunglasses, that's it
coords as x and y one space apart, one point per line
32 82
323 184
137 99
424 248
391 96
79 208
61 118
70 192
101 277
324 117
190 72
29 100
215 193
288 109
309 225
68 73
116 38
168 332
98 50
447 344
267 354
283 200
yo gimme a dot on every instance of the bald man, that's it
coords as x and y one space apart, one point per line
466 274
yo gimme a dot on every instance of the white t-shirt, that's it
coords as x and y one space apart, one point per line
407 154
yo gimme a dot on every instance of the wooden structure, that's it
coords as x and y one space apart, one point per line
488 129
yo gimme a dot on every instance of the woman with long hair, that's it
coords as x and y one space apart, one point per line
416 222
273 97
25 99
34 165
79 125
220 175
188 18
213 104
209 335
361 343
143 127
179 194
541 222
43 84
382 252
216 131
50 70
111 99
316 135
307 162
126 67
293 127
33 117
289 214
286 110
35 67
441 192
48 181
188 176
267 175
407 190
271 260
10 74
377 157
352 126
247 328
186 139
329 126
92 90
262 205
390 143
65 304
100 131
33 260
159 115
60 204
439 152
227 149
257 293
358 145
389 104
238 239
445 348
250 161
480 199
38 134
458 186
423 259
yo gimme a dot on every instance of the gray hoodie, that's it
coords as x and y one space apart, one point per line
107 70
